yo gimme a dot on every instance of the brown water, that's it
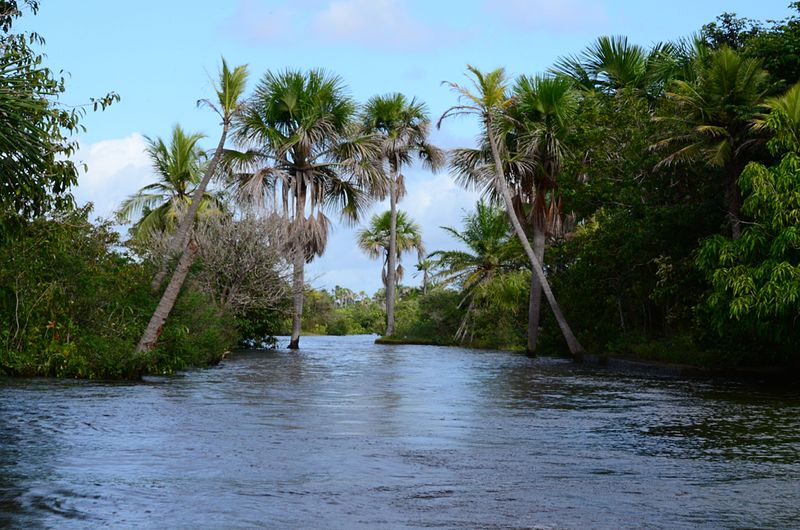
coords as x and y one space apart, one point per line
349 434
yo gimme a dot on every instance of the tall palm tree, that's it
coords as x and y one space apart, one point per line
711 121
490 103
178 165
402 127
304 157
544 108
490 252
228 93
376 241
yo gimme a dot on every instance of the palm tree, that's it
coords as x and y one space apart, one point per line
159 206
611 64
712 118
491 103
228 92
490 252
376 242
402 127
304 158
424 267
544 109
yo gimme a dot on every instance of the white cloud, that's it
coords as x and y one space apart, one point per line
376 24
255 23
560 16
115 169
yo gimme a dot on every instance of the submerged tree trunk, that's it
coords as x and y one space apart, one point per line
391 272
535 297
574 346
181 237
298 286
156 325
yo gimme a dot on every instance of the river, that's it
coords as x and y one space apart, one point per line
349 434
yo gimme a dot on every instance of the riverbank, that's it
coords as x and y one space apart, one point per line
659 362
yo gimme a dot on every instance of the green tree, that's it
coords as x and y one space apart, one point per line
755 279
402 127
303 156
490 103
158 207
490 252
376 241
35 129
545 108
711 120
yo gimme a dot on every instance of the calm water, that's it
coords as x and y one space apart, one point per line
347 434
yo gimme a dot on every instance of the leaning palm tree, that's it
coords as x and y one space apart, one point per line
711 120
304 158
490 252
491 103
228 92
228 103
158 207
376 241
402 127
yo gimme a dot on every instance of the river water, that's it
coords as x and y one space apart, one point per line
349 434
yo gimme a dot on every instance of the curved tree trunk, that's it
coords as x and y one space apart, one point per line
181 237
298 284
574 346
167 302
535 297
391 272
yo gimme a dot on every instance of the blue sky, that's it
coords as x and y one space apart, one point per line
160 57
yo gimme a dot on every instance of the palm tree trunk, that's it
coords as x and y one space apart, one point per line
156 325
391 276
574 346
298 284
181 237
535 298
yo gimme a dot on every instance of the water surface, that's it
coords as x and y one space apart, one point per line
349 434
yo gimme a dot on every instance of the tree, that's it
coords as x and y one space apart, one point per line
227 105
490 103
545 108
424 267
376 241
711 120
612 64
35 129
402 127
161 205
755 279
491 252
304 158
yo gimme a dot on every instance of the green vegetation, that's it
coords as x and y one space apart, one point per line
650 195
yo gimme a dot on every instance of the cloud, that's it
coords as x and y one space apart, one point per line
562 16
115 169
255 23
376 24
